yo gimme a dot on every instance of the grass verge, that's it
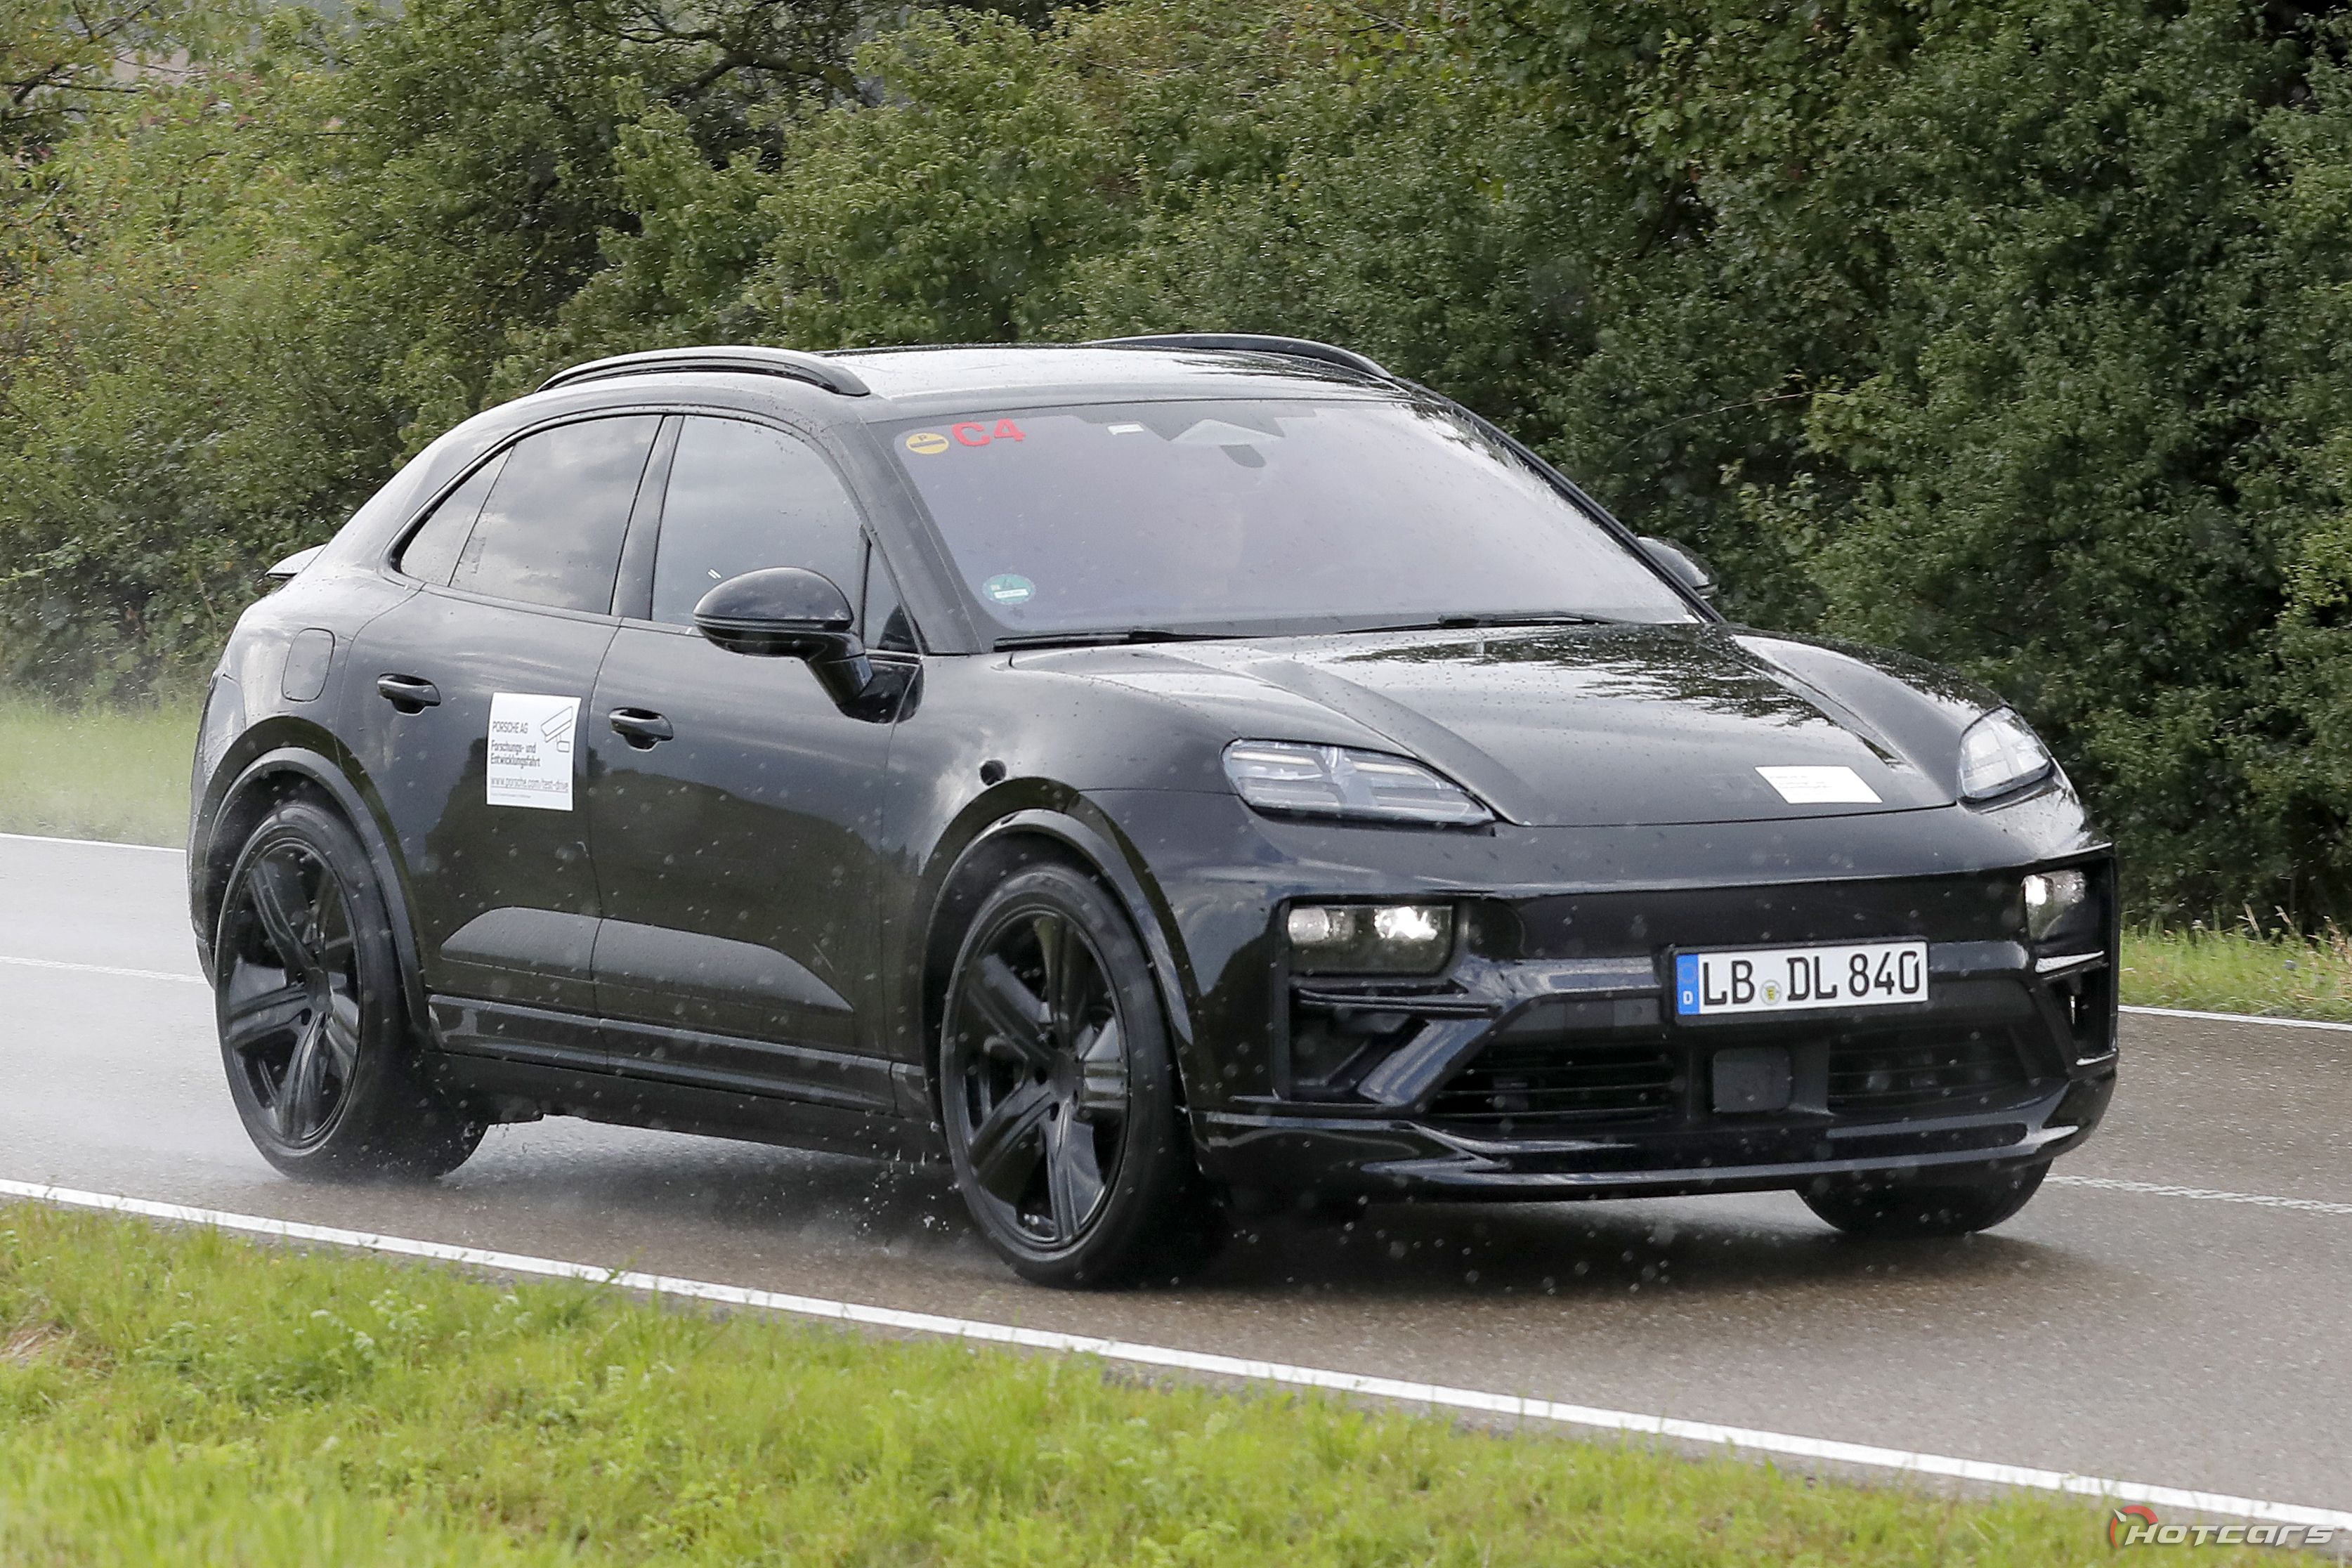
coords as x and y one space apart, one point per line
122 774
2240 971
181 1396
96 773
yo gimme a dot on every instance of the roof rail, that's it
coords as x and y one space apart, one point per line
735 359
1253 342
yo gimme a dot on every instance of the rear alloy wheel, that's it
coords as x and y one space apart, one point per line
1954 1204
313 1022
1058 1094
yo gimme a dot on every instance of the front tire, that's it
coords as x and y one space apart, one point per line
1059 1095
313 1019
1950 1204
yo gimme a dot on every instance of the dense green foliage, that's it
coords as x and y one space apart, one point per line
2008 333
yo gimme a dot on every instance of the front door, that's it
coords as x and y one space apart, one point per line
733 806
468 701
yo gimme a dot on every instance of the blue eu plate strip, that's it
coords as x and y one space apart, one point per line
1686 983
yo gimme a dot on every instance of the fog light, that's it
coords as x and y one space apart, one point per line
2051 897
1374 939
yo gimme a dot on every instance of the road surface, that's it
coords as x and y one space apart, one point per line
2172 1310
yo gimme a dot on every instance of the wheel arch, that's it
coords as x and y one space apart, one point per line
267 780
1027 836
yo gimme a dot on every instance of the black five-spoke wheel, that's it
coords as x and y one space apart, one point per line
313 1022
1057 1088
289 989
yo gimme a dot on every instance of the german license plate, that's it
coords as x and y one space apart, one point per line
1799 979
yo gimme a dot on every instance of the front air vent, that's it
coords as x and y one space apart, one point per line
1918 1069
1550 1080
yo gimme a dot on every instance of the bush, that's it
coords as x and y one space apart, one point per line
2006 333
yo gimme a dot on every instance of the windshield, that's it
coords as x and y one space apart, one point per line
1259 516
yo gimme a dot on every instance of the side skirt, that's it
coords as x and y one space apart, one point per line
520 1063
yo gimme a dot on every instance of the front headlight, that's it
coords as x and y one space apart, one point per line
1999 754
1287 779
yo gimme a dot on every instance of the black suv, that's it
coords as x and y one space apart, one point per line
1151 775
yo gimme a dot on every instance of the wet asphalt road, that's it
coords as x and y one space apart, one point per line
2176 1341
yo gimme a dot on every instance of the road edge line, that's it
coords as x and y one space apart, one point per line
96 843
1710 1434
2239 1018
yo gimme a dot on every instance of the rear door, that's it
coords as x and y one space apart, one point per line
468 698
733 807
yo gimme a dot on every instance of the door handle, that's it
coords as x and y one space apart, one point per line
408 693
640 729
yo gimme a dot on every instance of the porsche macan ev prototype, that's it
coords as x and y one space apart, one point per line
1155 776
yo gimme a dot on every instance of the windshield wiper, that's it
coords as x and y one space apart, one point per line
1104 639
1531 618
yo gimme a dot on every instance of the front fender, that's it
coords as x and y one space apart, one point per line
240 793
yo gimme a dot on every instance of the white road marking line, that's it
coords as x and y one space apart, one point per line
104 969
2237 1018
1702 1432
2209 1194
91 843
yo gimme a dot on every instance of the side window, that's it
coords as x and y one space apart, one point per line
886 628
431 552
743 497
551 532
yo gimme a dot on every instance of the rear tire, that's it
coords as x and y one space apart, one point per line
1958 1204
1059 1094
313 1017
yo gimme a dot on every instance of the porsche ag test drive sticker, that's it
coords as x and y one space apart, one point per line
1820 786
531 749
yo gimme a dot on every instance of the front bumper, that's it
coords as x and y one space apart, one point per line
1565 1078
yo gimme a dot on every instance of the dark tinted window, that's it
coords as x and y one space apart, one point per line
1260 515
432 550
743 497
886 626
551 529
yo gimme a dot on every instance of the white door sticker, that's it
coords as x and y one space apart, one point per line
531 749
1820 786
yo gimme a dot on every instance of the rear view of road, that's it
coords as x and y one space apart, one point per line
2172 1310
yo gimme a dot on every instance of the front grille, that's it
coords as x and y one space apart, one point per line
1905 1071
1513 1079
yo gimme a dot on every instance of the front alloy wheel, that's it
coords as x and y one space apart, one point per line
1057 1091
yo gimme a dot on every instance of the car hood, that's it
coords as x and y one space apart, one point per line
1617 725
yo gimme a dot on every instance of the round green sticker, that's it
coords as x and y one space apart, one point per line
1009 588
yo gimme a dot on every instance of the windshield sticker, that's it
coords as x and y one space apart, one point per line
930 443
1009 588
974 435
1820 786
1127 429
531 749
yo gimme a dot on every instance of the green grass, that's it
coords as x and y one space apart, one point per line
180 1396
2241 970
96 773
122 774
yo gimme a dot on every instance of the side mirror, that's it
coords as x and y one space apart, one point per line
786 612
1681 565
